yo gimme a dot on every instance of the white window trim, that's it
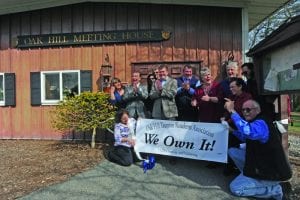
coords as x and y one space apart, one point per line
2 103
55 102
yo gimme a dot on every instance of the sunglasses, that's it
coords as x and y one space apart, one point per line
244 73
247 110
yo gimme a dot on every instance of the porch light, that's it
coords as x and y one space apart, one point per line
106 74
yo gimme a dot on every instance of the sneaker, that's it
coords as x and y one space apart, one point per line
279 195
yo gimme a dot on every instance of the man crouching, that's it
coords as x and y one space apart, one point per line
262 162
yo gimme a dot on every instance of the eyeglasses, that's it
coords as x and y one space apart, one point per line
244 73
247 110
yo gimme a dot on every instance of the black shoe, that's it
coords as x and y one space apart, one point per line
172 161
106 154
286 189
213 165
230 170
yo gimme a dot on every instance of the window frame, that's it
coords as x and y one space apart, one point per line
2 102
43 82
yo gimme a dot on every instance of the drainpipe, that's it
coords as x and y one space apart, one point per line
245 32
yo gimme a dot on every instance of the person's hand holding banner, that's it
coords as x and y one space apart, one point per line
229 105
195 140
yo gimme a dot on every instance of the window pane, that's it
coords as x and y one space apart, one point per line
1 88
52 86
70 84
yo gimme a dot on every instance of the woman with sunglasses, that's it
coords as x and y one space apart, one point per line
151 78
116 93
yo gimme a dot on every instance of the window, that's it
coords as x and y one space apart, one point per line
7 89
50 87
57 85
2 97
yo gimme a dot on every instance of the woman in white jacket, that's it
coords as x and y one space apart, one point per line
122 153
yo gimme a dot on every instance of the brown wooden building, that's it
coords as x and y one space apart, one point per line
33 78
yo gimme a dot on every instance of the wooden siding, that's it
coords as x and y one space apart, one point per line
205 34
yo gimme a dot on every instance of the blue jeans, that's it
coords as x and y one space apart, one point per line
246 186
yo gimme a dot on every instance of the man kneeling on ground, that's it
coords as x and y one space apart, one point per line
263 163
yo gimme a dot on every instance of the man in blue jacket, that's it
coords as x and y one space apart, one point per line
262 161
186 86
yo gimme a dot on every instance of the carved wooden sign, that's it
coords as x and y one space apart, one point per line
90 38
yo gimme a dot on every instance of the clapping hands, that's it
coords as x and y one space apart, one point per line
158 85
194 102
112 89
186 86
205 98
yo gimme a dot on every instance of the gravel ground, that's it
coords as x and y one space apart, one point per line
294 156
294 148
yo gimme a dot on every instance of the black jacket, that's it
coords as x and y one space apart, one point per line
267 161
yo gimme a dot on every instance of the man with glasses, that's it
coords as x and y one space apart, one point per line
262 162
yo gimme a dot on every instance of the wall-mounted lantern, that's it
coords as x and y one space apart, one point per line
106 71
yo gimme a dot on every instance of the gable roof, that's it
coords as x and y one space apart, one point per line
258 10
286 33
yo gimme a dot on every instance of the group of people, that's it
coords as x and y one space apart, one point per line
254 143
155 100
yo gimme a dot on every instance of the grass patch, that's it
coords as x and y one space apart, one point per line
296 123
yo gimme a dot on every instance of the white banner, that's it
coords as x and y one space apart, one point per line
195 140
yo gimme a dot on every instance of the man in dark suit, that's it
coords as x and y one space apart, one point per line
186 89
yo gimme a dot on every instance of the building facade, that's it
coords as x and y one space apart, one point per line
35 78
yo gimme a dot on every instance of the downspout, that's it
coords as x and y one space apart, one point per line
245 32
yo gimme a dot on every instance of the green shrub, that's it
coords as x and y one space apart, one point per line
85 112
297 109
